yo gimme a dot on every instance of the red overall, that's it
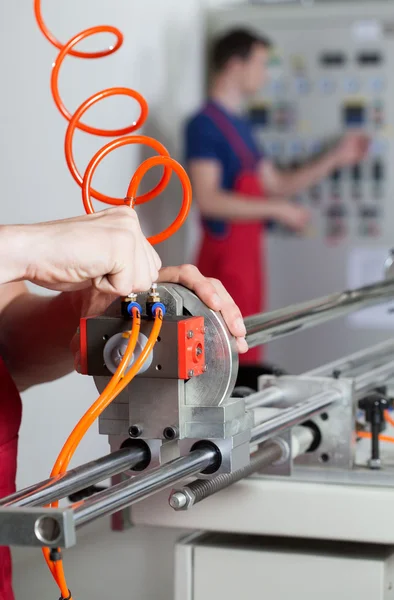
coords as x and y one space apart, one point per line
10 419
236 258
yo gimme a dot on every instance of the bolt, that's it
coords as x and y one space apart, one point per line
198 351
191 373
190 334
178 500
170 433
135 431
374 463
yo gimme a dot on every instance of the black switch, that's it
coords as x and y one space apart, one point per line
378 171
357 173
336 211
374 406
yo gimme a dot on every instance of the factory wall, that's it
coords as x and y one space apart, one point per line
163 59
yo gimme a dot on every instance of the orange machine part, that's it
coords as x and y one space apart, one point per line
83 346
191 348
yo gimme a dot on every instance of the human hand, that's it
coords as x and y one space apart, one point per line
213 294
291 215
351 149
106 250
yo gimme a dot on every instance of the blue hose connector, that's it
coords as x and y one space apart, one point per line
156 306
134 305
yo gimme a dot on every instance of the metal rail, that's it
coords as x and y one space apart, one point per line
376 360
140 488
266 327
93 472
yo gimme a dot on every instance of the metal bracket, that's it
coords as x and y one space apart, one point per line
335 426
37 527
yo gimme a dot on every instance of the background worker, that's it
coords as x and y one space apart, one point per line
235 186
92 260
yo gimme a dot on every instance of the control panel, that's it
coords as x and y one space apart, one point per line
326 78
330 71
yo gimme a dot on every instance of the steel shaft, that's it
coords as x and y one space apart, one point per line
93 472
265 327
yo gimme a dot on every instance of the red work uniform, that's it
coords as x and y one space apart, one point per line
232 252
10 419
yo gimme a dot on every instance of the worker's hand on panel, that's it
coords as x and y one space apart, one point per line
107 250
213 294
292 215
352 149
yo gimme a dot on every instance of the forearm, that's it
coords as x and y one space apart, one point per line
36 332
291 183
236 207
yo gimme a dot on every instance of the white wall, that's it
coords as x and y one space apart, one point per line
163 59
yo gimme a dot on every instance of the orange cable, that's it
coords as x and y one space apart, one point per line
118 383
382 438
124 136
120 379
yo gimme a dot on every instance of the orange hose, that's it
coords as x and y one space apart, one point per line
84 182
118 383
120 379
382 438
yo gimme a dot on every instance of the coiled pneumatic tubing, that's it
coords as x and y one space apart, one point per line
124 137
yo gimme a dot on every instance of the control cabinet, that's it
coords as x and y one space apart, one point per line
330 71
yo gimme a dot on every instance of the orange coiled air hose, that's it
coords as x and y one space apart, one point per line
124 136
120 380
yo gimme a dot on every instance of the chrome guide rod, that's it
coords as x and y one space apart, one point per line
376 357
143 486
266 327
61 486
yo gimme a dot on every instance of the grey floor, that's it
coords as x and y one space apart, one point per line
133 565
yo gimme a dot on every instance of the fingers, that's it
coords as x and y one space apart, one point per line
242 346
230 311
190 277
213 294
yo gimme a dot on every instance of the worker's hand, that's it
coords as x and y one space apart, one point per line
213 294
291 215
351 149
106 250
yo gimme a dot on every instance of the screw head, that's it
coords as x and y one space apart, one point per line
198 351
190 335
170 433
135 431
191 373
178 500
